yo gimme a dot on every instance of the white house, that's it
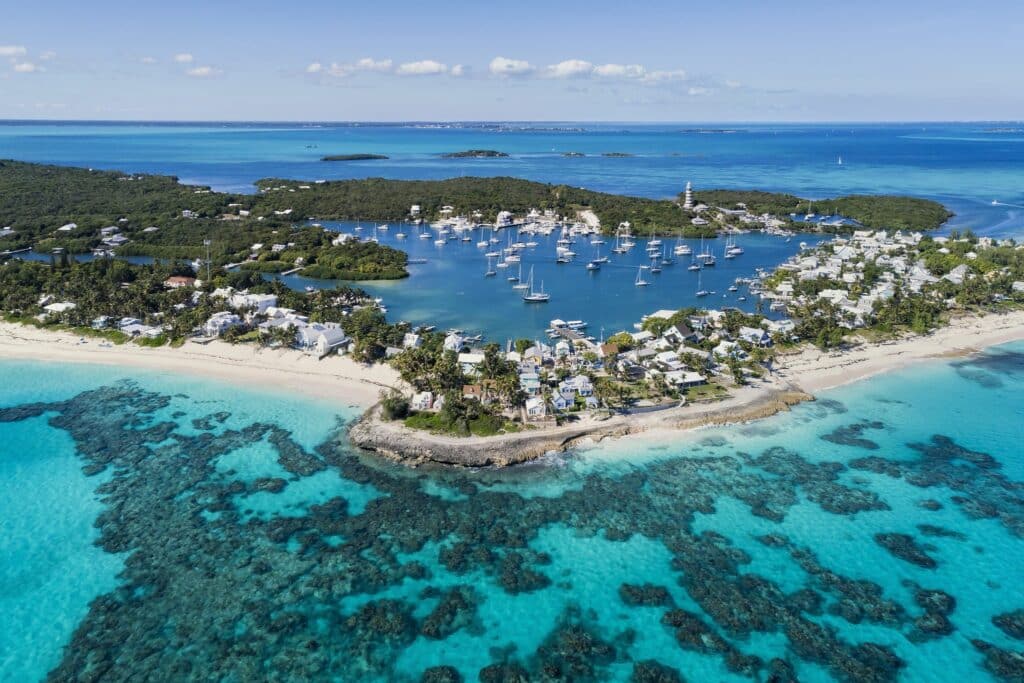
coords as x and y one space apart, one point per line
470 361
220 322
536 409
321 338
411 340
683 378
756 336
454 342
423 400
60 307
258 302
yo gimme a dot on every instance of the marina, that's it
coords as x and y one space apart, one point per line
447 286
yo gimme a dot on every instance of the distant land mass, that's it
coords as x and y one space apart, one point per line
618 155
353 157
475 154
573 154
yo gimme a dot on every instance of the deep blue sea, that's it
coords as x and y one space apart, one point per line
158 526
155 523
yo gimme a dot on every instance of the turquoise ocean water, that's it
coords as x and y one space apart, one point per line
160 523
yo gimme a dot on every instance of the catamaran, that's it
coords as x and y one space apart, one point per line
681 249
536 297
640 281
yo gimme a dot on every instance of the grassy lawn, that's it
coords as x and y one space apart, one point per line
484 425
706 392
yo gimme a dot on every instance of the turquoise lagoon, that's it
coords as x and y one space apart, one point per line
159 523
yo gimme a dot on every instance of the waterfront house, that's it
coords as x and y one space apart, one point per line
578 384
221 322
608 351
56 309
411 340
684 379
562 400
454 342
536 408
729 349
101 323
530 383
320 339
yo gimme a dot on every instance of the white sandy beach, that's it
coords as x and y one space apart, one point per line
334 378
342 380
813 370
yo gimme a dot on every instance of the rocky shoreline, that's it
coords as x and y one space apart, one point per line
395 441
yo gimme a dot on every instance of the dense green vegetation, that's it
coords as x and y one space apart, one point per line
475 154
353 157
389 200
36 200
352 260
871 211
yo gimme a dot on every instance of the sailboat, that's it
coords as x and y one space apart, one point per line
655 266
491 272
536 297
840 161
517 278
700 290
666 260
520 285
400 235
640 281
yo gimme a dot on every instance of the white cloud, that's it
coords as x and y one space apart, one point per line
570 68
368 64
341 70
183 58
426 67
47 56
203 72
458 70
656 76
733 84
12 51
620 71
696 90
148 60
27 68
503 66
314 68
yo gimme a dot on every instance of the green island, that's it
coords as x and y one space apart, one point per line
353 157
475 154
37 201
573 155
79 211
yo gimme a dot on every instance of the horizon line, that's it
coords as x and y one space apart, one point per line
351 122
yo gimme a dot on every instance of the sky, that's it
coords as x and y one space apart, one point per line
730 60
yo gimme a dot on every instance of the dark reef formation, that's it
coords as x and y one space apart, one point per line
313 596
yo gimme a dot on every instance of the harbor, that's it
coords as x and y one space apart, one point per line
449 285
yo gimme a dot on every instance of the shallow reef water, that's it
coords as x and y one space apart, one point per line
874 535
